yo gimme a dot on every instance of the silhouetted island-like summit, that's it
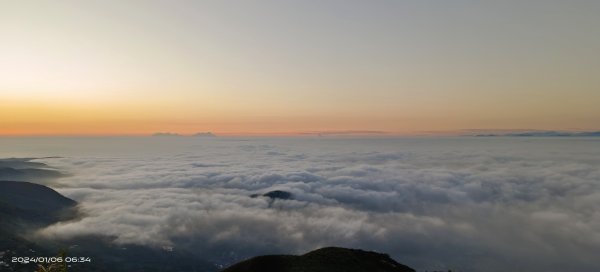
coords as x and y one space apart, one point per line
277 194
329 259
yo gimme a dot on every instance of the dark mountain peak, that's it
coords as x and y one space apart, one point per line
276 194
327 252
328 259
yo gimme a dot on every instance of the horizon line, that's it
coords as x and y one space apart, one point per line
324 133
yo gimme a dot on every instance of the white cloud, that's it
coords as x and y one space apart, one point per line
466 204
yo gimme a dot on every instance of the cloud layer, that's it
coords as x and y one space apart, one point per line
442 203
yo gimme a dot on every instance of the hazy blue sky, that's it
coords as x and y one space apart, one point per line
112 67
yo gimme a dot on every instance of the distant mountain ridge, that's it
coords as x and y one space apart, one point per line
328 259
545 134
24 169
172 134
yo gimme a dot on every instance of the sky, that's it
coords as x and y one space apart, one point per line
290 67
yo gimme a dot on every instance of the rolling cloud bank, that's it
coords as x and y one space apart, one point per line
468 204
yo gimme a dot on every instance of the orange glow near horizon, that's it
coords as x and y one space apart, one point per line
111 68
30 117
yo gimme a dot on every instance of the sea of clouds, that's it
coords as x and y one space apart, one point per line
465 203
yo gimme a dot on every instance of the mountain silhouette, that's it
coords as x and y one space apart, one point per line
329 259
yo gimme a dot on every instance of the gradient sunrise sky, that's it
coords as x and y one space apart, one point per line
285 67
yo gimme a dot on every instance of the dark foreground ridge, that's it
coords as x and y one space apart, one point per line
25 207
329 259
24 203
